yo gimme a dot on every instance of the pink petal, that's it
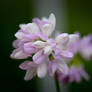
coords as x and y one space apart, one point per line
28 48
39 57
15 43
27 65
30 74
42 70
19 54
66 54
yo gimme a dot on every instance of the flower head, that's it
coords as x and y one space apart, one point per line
75 74
49 55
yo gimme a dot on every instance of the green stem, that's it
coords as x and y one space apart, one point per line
57 84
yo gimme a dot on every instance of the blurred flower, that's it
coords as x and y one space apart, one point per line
82 46
75 74
57 66
86 47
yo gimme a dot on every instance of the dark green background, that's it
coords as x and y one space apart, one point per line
15 12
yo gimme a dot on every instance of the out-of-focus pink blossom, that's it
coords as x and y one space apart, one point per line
86 47
82 46
75 74
57 66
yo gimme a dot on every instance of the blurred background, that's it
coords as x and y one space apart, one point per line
72 15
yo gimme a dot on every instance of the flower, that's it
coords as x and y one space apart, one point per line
82 46
75 74
48 55
33 69
46 26
86 47
57 66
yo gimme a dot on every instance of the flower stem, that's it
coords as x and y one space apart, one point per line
57 83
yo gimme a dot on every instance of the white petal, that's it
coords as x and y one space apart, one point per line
19 35
39 44
30 28
73 38
42 70
37 55
47 29
52 20
23 26
47 50
66 54
30 74
19 55
62 67
62 38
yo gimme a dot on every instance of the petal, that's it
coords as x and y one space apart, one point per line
43 37
25 65
73 38
84 74
38 22
19 54
30 74
53 69
47 29
42 70
63 68
62 38
77 77
39 44
19 35
30 28
47 50
52 20
15 43
28 48
30 37
39 57
66 54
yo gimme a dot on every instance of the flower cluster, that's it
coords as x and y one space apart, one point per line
49 55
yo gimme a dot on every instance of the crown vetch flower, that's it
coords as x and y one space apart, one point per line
48 54
86 47
75 74
82 46
33 69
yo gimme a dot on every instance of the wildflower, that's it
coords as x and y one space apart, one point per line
46 26
57 66
33 69
82 46
86 47
75 74
49 55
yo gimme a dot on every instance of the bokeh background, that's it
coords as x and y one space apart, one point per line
72 15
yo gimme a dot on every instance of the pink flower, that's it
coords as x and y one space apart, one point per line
57 66
32 69
75 74
86 47
46 26
48 55
82 46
